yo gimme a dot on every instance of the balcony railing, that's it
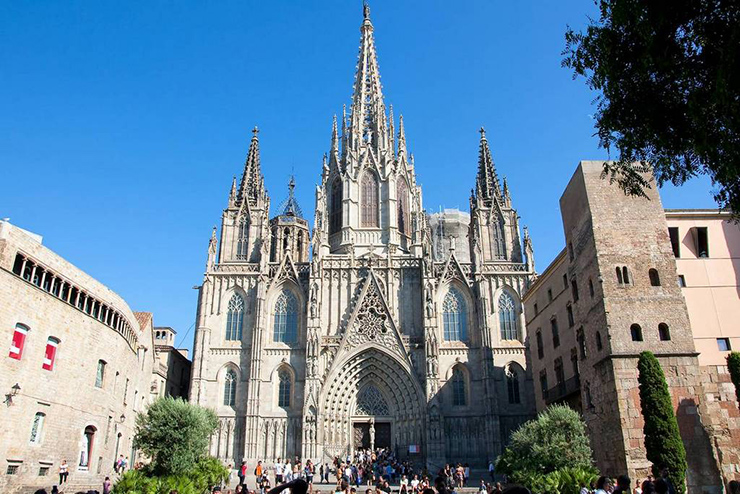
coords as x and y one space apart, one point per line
563 389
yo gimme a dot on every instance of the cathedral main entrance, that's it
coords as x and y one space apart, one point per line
371 435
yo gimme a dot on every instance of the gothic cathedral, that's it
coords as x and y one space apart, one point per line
382 326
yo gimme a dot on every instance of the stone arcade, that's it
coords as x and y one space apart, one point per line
401 329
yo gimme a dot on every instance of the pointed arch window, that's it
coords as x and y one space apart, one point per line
235 318
242 239
512 385
499 242
507 317
369 201
459 393
455 316
286 317
230 388
402 196
284 388
335 211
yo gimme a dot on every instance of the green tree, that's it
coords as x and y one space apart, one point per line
667 76
554 441
733 365
174 434
663 442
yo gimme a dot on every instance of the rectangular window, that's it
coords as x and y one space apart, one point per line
549 294
13 469
100 374
591 287
702 241
543 383
565 281
581 337
36 427
536 309
19 340
43 471
50 353
555 332
559 372
675 244
681 281
125 391
574 289
723 344
571 320
540 349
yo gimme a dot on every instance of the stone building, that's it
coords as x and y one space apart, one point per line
386 337
78 369
614 292
172 370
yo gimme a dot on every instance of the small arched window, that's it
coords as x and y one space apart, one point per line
512 385
599 344
654 277
507 317
230 388
286 317
284 388
663 332
235 318
100 374
242 239
369 200
636 332
459 393
36 427
335 207
18 342
402 194
455 316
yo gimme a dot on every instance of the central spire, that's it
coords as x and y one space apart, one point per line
368 125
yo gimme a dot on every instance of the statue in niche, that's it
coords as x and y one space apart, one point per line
430 305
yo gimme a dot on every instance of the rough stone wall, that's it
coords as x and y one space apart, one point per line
67 394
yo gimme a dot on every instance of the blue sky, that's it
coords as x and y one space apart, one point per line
122 123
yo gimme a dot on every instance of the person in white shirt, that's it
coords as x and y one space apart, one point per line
278 472
415 483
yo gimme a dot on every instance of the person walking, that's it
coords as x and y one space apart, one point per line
63 472
242 473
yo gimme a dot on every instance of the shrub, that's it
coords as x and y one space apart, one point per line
554 441
196 480
174 434
733 365
663 442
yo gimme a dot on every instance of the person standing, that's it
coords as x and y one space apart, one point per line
63 472
242 473
309 472
106 485
278 472
492 471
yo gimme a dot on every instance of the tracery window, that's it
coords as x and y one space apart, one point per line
459 397
403 206
512 385
455 316
230 388
369 200
235 318
242 239
286 317
371 402
284 388
507 317
335 214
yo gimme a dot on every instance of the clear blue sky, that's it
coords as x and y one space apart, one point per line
122 123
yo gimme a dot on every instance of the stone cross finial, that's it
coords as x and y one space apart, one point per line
365 10
482 133
255 131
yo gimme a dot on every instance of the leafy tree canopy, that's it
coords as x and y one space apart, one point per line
174 434
556 440
668 78
733 365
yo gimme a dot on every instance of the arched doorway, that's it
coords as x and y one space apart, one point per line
371 399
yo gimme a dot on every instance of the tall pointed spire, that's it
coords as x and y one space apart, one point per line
334 136
368 123
251 184
401 137
232 193
392 130
487 185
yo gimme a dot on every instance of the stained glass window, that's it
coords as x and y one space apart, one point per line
284 389
459 397
369 200
371 402
507 317
455 315
286 317
230 388
235 318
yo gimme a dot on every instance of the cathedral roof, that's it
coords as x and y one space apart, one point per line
290 207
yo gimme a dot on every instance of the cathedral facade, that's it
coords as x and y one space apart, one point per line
380 326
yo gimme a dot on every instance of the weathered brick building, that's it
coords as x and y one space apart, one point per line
78 368
611 294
